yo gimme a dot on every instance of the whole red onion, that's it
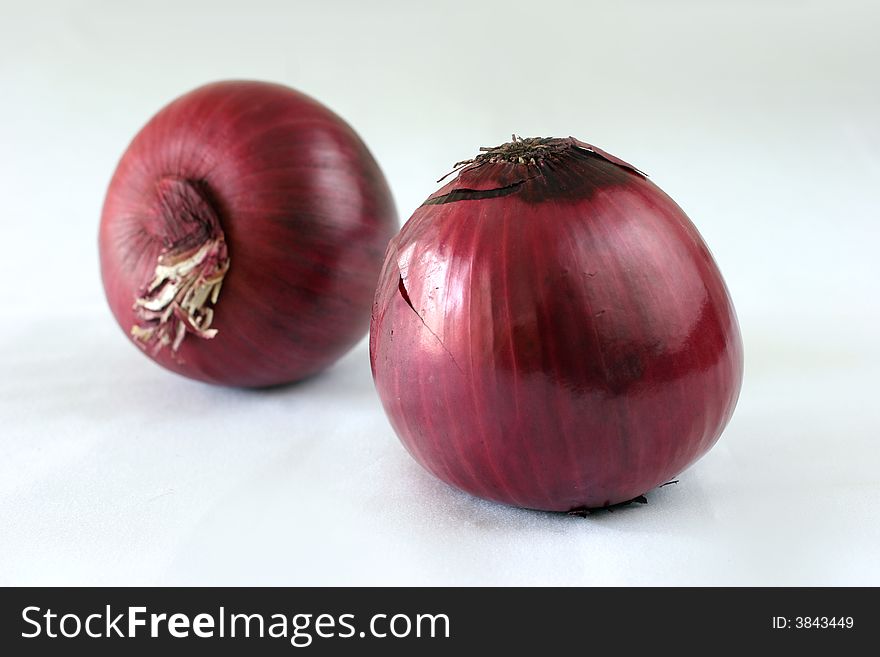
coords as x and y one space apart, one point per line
550 331
242 235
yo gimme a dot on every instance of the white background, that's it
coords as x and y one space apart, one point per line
759 118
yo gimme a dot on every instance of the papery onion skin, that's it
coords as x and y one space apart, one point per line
304 216
554 335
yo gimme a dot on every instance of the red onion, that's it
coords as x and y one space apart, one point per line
242 235
550 331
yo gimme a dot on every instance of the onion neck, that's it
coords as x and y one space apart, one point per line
536 151
520 150
180 297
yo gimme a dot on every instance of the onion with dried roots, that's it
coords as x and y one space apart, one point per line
242 235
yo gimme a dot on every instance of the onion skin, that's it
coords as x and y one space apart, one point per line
555 335
299 212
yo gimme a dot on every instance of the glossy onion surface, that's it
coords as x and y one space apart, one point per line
242 235
553 333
